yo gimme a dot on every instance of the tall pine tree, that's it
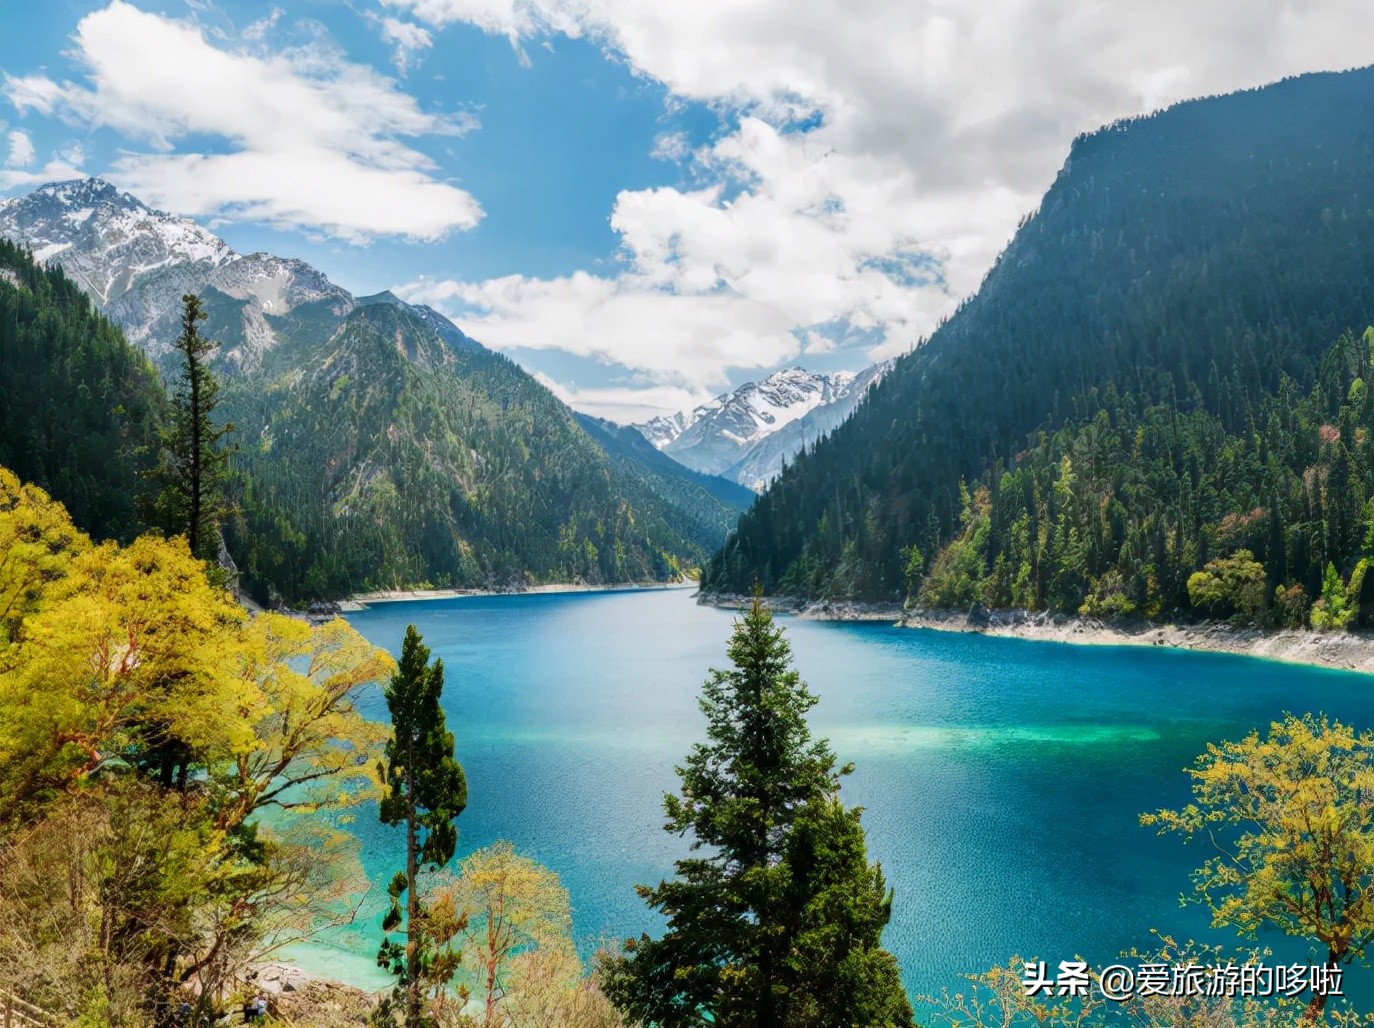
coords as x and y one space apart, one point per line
194 466
425 790
780 926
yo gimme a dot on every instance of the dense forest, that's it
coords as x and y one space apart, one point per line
1155 508
713 502
79 406
1183 269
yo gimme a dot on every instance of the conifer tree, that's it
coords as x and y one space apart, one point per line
779 926
194 466
425 790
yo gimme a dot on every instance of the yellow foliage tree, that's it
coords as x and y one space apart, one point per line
502 907
311 747
131 657
1293 819
37 543
135 693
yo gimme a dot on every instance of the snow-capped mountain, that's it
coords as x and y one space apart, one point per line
104 239
746 434
663 430
763 461
136 263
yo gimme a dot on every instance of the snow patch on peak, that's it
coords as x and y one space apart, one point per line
42 253
790 405
662 430
108 239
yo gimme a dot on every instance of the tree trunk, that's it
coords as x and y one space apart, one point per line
492 961
1313 1013
412 915
193 535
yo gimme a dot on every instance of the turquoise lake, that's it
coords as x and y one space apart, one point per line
1001 779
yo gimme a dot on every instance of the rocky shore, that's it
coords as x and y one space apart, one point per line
812 610
309 1001
1349 651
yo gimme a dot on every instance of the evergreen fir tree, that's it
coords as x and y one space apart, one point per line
194 468
425 790
780 926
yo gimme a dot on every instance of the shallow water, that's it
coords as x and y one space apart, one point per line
1001 779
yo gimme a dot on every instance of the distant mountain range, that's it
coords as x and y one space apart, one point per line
379 445
748 434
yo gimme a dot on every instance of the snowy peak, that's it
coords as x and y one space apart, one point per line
759 409
763 461
718 437
752 411
106 239
137 263
663 430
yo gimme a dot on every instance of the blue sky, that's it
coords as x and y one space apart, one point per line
558 135
645 203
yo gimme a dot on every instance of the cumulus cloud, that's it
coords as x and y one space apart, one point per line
883 155
678 340
21 153
312 141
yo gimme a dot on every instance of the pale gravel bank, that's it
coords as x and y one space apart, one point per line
359 600
1348 651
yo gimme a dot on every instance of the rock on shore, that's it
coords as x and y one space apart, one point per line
307 1001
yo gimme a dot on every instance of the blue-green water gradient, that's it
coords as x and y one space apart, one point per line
1001 779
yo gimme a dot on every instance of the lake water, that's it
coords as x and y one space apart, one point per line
1001 779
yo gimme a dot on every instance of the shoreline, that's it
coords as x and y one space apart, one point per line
358 601
1341 650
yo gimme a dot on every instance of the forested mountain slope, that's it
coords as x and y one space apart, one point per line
711 503
387 458
1191 258
79 406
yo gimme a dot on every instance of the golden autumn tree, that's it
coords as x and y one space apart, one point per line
509 919
131 658
148 726
1292 819
37 543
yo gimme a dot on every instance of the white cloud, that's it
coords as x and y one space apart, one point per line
405 34
21 153
263 26
312 140
817 343
683 341
625 404
72 153
927 127
671 146
409 39
52 171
